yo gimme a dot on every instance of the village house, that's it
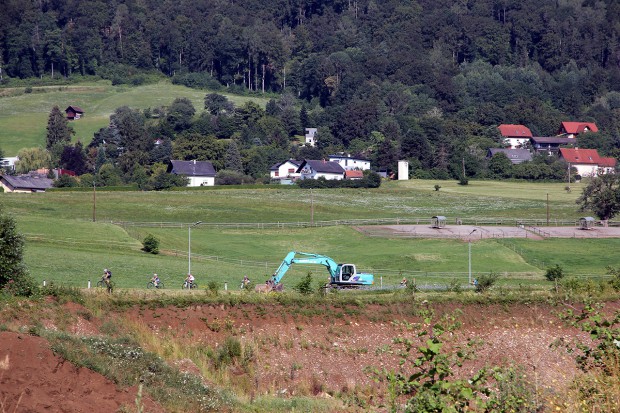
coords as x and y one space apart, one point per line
25 183
314 169
550 145
74 112
349 162
285 170
587 161
516 156
573 129
516 136
200 173
310 140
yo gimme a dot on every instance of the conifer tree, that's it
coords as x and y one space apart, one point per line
58 129
233 158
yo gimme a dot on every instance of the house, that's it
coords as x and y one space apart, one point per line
572 129
8 163
515 155
200 173
349 162
285 170
25 183
515 135
587 161
310 140
314 169
550 145
74 112
353 174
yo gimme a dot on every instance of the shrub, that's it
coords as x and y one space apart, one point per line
14 277
212 287
150 244
554 273
486 281
228 177
305 285
437 187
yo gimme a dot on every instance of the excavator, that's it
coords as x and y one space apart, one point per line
341 275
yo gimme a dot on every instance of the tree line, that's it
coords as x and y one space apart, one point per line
427 81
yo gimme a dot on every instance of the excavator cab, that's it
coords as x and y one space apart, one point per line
346 271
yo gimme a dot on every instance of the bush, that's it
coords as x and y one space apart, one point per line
370 180
555 273
305 285
14 277
150 244
486 281
228 177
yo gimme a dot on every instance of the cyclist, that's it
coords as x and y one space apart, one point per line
245 282
107 275
189 281
155 280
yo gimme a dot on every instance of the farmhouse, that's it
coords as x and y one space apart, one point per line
314 169
550 145
285 170
200 173
74 112
515 155
587 161
25 183
516 136
349 162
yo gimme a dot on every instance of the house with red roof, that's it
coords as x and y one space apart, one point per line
517 136
572 129
587 161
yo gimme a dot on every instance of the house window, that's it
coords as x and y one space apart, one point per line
277 173
291 170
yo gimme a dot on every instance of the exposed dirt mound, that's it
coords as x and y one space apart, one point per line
33 379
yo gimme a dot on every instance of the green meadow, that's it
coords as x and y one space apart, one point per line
23 116
64 245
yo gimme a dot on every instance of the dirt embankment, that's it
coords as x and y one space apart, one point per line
298 350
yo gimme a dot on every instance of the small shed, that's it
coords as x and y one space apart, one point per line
439 221
74 112
586 223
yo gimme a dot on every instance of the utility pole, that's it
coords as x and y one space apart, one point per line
311 208
94 202
547 208
469 255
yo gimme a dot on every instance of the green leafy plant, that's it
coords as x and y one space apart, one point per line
486 281
150 244
305 285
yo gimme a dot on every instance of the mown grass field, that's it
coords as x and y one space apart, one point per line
64 245
23 116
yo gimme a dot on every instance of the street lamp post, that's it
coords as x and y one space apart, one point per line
189 246
469 256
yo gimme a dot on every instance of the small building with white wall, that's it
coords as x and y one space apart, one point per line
200 173
310 139
285 170
350 163
403 170
314 169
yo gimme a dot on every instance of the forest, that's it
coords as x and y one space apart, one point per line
427 80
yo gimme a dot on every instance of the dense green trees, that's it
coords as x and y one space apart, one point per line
14 276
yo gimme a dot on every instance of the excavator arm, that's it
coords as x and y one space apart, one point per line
295 257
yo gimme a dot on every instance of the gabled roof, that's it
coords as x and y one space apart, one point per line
275 166
515 155
514 131
581 156
192 168
322 166
28 182
577 127
76 109
552 139
607 162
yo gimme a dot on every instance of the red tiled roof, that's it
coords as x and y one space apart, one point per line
577 127
607 162
354 174
515 131
582 156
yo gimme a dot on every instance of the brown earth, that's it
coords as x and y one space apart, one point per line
298 349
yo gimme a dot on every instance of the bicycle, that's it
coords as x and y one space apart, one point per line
150 285
189 285
109 285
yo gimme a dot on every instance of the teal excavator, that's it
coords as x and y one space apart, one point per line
340 275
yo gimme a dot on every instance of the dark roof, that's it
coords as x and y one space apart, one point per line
28 182
322 166
552 139
515 155
515 131
277 165
76 109
192 168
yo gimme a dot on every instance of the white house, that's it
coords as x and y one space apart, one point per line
349 162
314 169
587 161
200 173
285 170
310 132
516 136
9 162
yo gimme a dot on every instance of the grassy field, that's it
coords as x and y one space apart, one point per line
23 116
63 244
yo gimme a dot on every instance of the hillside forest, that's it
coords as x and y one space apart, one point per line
428 81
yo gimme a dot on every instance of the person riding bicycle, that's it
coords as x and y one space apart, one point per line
155 280
189 281
107 275
245 281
